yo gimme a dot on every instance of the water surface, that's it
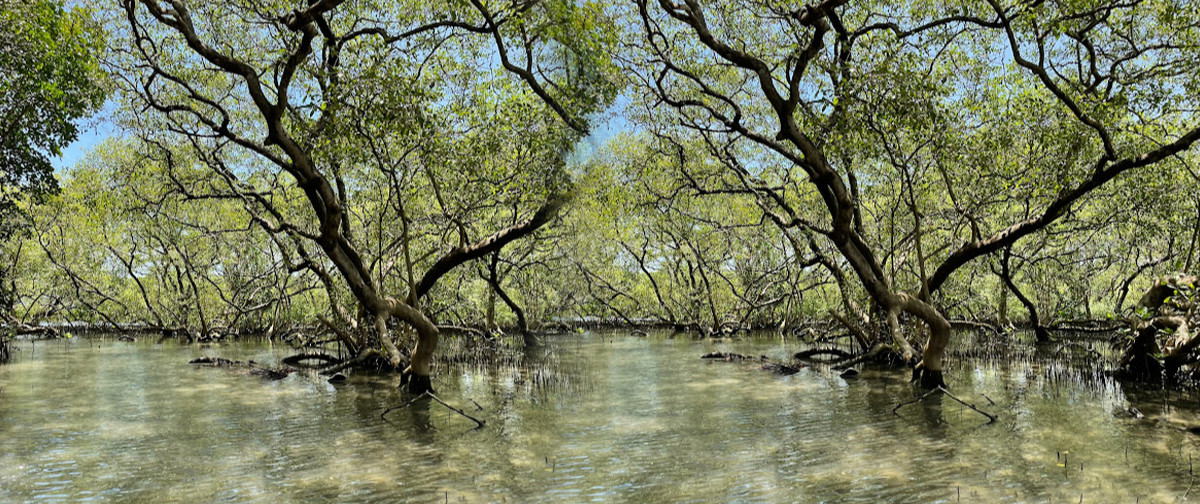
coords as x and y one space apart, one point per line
603 418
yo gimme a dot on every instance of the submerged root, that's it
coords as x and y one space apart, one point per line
271 373
730 357
255 368
216 362
371 360
880 354
780 368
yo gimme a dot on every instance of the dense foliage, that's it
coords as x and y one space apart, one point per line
49 79
386 169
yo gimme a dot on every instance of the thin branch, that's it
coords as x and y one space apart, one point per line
479 423
991 417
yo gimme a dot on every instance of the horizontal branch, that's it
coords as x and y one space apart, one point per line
488 245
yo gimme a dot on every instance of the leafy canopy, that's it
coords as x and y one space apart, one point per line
49 78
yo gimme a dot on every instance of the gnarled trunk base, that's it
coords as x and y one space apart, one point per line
928 378
1162 346
415 383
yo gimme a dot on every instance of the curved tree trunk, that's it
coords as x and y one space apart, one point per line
1163 346
1042 334
287 146
493 279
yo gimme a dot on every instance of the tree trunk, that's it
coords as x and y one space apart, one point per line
1145 358
493 279
928 372
416 375
490 323
1042 334
1002 308
1187 263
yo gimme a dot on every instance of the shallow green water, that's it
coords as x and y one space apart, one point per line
624 420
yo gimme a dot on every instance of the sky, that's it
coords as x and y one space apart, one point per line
91 132
94 130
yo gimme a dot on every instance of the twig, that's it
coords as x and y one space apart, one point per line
854 361
341 366
479 423
402 406
991 417
917 400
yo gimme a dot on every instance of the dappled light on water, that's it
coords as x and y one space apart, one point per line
604 418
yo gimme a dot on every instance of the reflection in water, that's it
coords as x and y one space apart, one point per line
601 418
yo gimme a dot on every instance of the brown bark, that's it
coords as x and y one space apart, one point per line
1042 334
282 148
493 279
1145 357
491 244
297 162
832 189
779 84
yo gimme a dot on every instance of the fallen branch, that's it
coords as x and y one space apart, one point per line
402 406
854 329
350 362
991 417
854 361
914 401
478 423
808 355
729 356
298 360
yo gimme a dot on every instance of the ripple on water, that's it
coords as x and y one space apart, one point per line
633 420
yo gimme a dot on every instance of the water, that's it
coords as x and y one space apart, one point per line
625 419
